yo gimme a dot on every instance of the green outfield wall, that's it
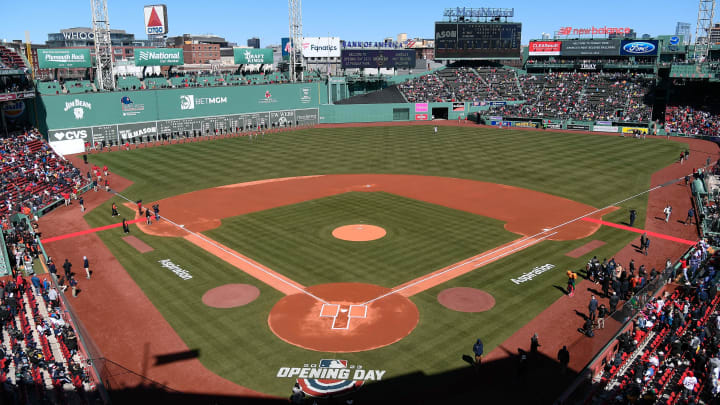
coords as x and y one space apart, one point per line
123 115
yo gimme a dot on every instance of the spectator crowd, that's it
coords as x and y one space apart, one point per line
671 351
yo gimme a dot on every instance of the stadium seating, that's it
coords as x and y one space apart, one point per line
155 83
676 335
79 86
32 175
689 121
463 84
128 83
11 59
49 87
582 97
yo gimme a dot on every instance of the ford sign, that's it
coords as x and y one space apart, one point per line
674 40
638 48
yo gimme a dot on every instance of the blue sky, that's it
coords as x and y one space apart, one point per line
366 20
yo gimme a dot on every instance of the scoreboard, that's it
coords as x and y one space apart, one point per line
489 40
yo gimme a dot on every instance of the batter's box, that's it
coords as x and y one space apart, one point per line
358 311
330 310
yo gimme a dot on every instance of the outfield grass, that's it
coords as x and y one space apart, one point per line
297 240
237 343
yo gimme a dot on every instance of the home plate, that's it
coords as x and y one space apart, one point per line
344 310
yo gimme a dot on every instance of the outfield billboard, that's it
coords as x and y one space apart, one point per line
63 58
377 58
321 47
159 57
156 19
285 48
544 48
639 48
253 56
588 47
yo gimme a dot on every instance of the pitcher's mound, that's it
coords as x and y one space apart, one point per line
359 232
230 295
466 299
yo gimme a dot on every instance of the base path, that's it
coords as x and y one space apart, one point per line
505 203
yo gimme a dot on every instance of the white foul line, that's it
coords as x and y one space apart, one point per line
431 276
249 263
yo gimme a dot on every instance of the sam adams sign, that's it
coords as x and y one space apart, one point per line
158 57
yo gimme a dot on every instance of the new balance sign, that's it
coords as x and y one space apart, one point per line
158 57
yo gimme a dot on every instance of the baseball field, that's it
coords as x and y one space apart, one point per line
248 269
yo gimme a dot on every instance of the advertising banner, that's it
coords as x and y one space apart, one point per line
421 107
604 128
285 48
630 130
159 57
545 48
458 106
156 19
421 117
143 129
639 48
588 47
575 127
321 47
374 58
553 125
63 58
252 56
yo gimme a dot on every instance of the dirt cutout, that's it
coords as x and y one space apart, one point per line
359 232
466 299
230 295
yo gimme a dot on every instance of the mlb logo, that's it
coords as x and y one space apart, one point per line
332 363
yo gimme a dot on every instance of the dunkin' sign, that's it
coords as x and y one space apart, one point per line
545 48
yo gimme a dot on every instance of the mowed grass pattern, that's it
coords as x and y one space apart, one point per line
592 169
297 240
237 343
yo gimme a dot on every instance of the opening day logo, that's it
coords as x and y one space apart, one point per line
330 376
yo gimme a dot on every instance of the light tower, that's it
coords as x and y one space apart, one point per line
103 45
706 12
296 36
